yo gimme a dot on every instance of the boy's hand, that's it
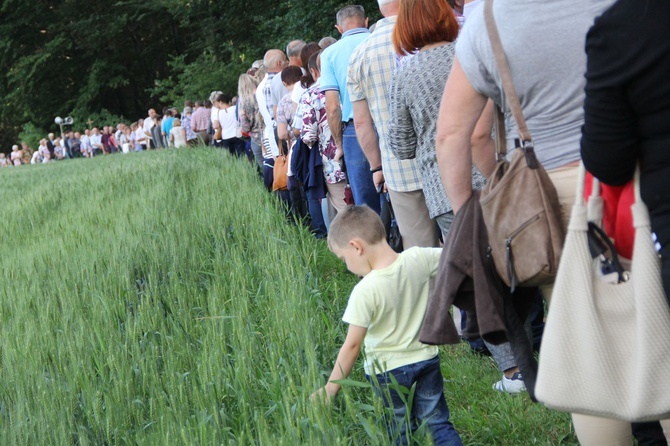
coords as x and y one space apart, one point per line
323 394
343 365
320 396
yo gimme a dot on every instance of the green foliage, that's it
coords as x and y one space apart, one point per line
81 57
162 298
195 81
31 134
83 120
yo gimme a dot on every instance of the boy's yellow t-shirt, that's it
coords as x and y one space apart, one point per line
391 304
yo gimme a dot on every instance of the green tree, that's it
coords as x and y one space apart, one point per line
86 57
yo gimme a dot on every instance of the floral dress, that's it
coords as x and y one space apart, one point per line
249 118
315 129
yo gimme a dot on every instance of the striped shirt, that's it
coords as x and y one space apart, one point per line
267 93
370 69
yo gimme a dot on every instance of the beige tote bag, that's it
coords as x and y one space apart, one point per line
606 345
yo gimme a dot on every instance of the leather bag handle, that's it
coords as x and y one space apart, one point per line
505 74
501 138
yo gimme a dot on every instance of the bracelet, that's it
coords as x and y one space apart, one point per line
376 169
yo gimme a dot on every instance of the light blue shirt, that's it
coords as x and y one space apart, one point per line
167 125
334 66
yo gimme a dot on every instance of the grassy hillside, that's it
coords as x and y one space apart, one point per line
162 298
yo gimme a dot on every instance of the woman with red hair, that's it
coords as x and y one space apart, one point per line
426 30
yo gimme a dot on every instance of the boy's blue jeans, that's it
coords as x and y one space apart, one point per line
429 404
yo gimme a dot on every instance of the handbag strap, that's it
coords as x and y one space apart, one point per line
506 76
640 212
595 207
501 139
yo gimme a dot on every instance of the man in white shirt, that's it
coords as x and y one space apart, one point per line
148 125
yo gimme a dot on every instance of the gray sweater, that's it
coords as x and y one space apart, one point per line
414 100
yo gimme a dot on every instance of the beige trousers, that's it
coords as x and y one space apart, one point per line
336 195
411 213
565 180
597 431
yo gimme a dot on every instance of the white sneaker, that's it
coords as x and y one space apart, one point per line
511 385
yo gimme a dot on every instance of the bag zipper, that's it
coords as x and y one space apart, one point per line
511 272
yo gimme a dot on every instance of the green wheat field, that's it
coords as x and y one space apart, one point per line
162 298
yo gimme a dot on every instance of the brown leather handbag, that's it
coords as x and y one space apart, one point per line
519 203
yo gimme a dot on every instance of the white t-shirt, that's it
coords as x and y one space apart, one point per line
36 158
85 142
391 303
268 129
140 137
228 121
214 113
178 136
96 141
148 124
469 7
297 92
277 90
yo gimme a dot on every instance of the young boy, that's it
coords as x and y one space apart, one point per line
385 313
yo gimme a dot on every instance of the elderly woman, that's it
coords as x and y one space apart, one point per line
428 28
249 118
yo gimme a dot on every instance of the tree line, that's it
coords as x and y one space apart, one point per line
96 60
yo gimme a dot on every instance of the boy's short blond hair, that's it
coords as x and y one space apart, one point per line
356 222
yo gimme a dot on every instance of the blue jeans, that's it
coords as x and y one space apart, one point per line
428 405
258 154
358 170
315 212
268 173
247 150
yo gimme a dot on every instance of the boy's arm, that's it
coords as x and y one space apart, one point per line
346 359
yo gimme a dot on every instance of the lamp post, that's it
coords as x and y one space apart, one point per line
63 121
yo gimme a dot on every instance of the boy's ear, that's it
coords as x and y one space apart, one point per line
357 244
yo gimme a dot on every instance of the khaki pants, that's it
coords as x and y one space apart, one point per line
565 180
597 431
336 195
411 213
204 137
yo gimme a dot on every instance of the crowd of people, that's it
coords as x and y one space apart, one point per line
399 112
173 128
402 112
